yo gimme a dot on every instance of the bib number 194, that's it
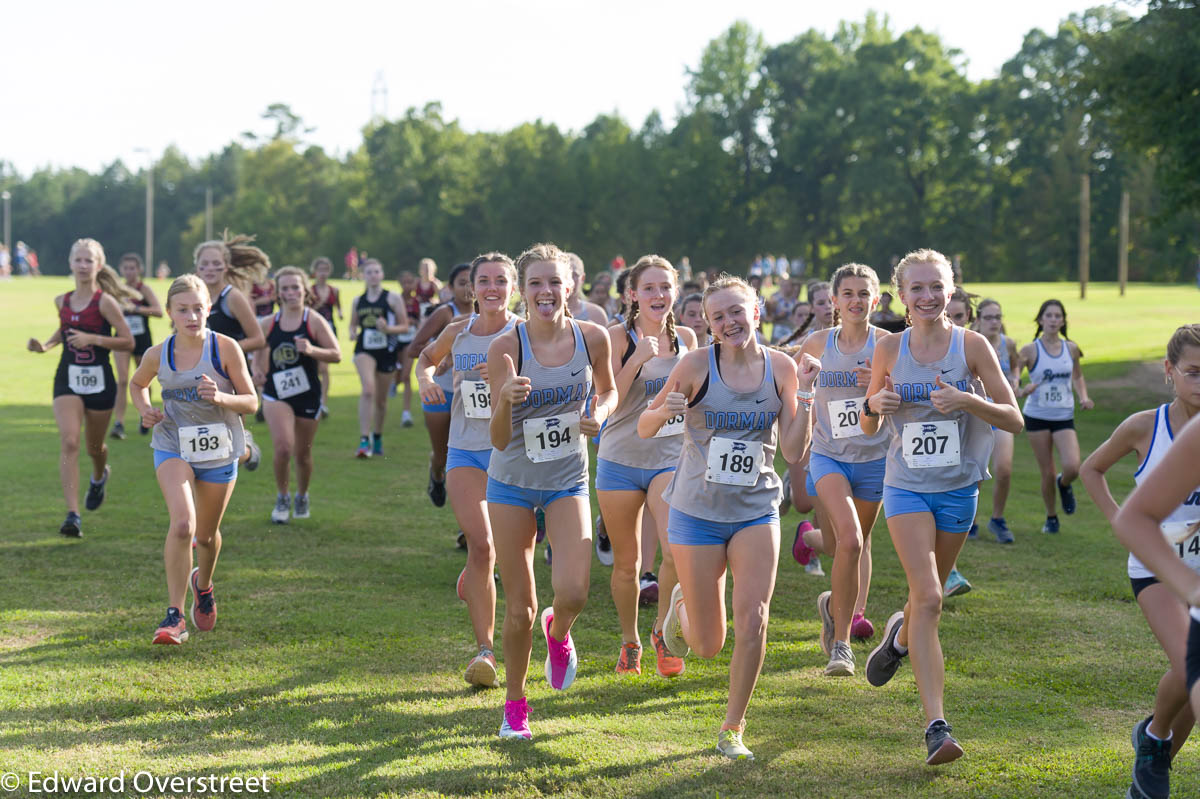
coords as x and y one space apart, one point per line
550 438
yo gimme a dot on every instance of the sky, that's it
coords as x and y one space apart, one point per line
86 83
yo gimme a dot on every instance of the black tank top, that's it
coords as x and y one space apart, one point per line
89 320
220 320
368 312
284 356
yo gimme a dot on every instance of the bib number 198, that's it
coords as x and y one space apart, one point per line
477 399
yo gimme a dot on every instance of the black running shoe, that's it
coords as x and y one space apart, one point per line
1066 494
436 490
941 745
1151 765
884 659
461 541
143 430
95 494
73 526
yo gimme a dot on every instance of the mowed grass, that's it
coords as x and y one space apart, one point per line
336 665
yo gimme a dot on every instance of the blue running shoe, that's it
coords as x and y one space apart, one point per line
1051 525
973 533
956 584
1066 494
999 528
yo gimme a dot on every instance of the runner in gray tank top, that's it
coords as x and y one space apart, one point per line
541 375
631 471
198 438
724 495
1053 363
991 325
940 441
845 469
465 341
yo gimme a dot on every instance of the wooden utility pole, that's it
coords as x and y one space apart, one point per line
1085 233
1123 243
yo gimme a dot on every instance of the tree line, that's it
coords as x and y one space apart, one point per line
859 145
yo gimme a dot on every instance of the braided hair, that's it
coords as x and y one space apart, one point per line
635 274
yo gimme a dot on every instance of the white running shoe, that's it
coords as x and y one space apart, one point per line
283 506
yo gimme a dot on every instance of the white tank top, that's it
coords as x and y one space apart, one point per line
1054 399
1186 514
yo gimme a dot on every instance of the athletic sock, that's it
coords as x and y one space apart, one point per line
935 721
1154 737
900 650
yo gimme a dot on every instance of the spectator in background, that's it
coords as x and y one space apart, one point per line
351 263
685 269
20 262
600 290
5 262
34 271
617 264
779 309
797 269
163 272
702 279
885 317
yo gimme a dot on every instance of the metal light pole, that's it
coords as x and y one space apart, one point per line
149 210
7 197
208 214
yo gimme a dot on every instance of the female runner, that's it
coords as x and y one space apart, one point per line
691 314
437 416
960 312
466 341
940 441
286 373
542 375
577 303
205 388
376 316
1158 738
84 388
1053 363
631 471
738 399
137 316
845 468
991 325
326 301
404 360
229 266
428 290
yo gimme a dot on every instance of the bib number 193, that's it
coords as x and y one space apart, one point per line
207 442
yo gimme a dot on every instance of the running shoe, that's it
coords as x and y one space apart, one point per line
885 659
279 514
142 429
672 629
1051 525
826 622
729 743
460 583
301 509
95 492
648 589
481 670
549 555
786 504
539 518
629 661
323 414
801 551
973 533
841 661
460 541
436 489
1066 495
406 419
255 453
364 448
204 604
73 526
999 528
813 569
258 415
940 744
516 720
118 431
173 629
861 628
956 585
377 446
604 551
561 660
668 665
1152 765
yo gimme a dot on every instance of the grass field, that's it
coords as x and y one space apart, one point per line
336 666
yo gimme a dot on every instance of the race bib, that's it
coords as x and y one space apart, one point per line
85 379
930 444
476 399
374 339
1186 541
137 324
205 442
734 462
843 417
426 308
1055 395
290 382
550 438
672 427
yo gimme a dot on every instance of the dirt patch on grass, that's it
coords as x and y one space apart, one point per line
1144 378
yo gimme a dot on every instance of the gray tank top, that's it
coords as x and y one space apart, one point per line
726 472
1054 399
469 423
929 451
546 452
838 403
620 442
199 420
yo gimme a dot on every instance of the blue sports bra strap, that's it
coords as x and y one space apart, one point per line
167 355
831 339
526 350
904 342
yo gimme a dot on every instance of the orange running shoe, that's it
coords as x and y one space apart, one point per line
173 629
204 605
668 665
630 659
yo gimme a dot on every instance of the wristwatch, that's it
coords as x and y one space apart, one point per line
866 411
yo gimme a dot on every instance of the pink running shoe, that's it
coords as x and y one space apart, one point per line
204 605
801 551
561 660
861 628
516 720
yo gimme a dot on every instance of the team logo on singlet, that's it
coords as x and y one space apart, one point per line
1050 374
920 392
835 379
467 361
739 420
285 355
